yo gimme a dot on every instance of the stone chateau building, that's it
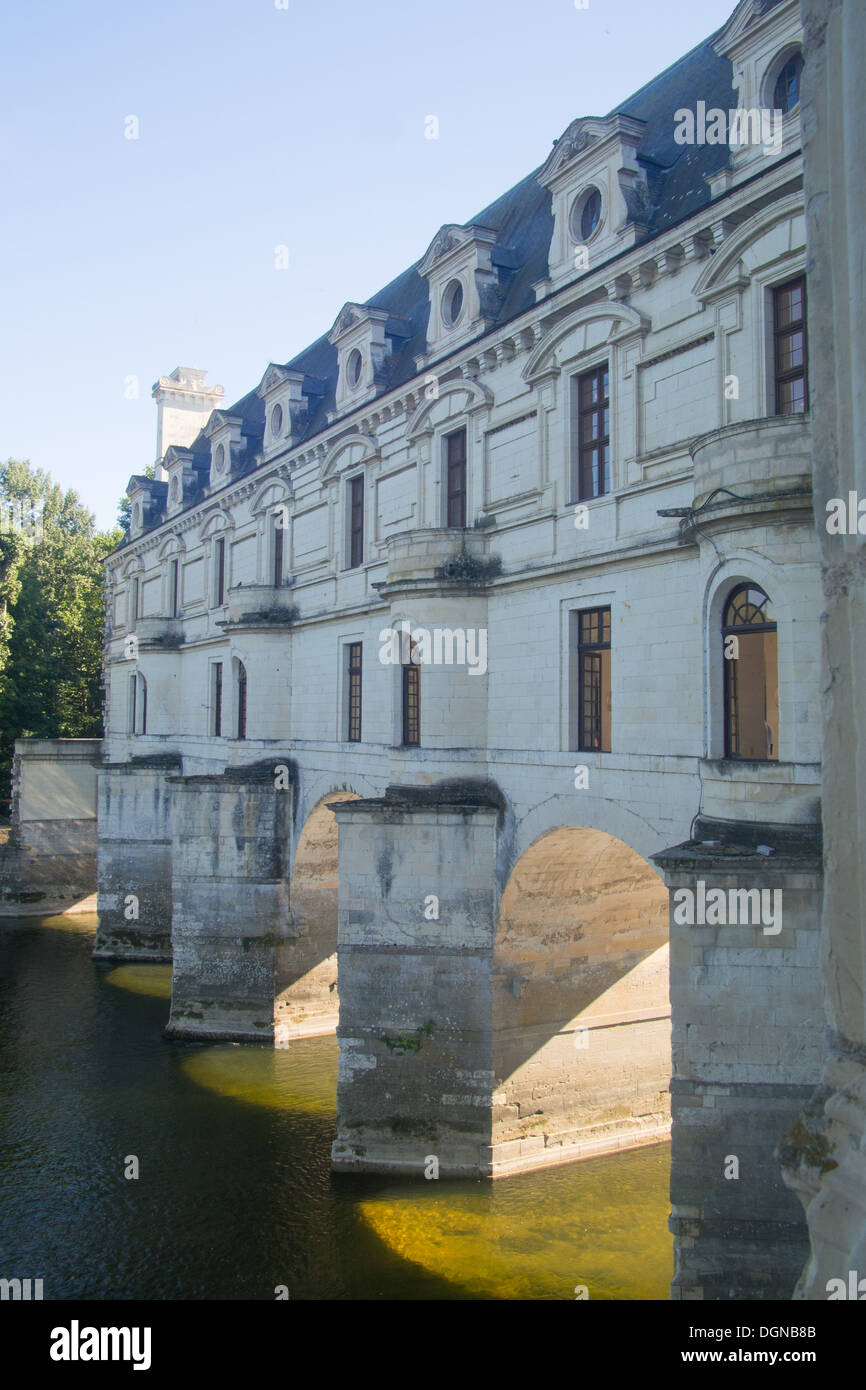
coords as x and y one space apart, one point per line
510 584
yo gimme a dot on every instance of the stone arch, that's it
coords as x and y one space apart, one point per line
364 449
477 397
276 492
215 523
581 1046
306 1003
624 322
725 265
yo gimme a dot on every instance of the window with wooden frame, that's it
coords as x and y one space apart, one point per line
220 572
173 588
411 675
278 551
242 700
217 699
354 677
593 703
356 521
790 364
455 478
751 675
590 434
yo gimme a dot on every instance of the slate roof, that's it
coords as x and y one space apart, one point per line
523 221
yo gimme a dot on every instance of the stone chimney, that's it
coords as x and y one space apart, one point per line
183 406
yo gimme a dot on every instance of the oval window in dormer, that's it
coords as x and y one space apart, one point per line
354 363
786 90
175 488
452 303
219 458
277 421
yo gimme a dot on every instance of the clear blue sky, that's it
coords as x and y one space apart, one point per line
258 126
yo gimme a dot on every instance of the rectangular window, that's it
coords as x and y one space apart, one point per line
173 589
590 434
138 704
242 700
593 680
455 470
133 602
411 705
789 339
354 673
217 699
278 552
356 521
220 573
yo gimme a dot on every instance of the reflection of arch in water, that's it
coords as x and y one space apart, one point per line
306 1001
581 1004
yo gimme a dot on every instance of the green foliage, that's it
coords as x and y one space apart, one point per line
51 617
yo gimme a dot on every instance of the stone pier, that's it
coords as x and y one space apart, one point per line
417 922
232 844
135 859
746 1008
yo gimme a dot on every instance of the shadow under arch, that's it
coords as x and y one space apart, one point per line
306 1003
581 1002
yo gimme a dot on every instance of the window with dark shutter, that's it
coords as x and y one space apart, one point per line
356 505
455 445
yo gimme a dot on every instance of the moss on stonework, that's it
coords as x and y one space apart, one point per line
809 1146
408 1042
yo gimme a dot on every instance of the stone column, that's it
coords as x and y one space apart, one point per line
825 1154
230 899
135 859
418 894
746 1008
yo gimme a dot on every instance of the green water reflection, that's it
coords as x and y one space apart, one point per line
235 1193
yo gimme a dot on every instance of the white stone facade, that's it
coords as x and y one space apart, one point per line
314 515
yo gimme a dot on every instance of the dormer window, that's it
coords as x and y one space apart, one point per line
175 488
364 338
452 303
219 458
285 395
466 270
585 215
599 194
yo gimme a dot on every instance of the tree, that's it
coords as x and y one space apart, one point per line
51 616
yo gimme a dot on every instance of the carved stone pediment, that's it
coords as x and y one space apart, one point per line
450 237
351 315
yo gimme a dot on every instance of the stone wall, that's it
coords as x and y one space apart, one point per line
48 862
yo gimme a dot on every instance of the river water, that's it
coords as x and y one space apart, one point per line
235 1195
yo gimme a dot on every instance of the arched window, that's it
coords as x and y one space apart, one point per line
751 675
242 700
412 698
